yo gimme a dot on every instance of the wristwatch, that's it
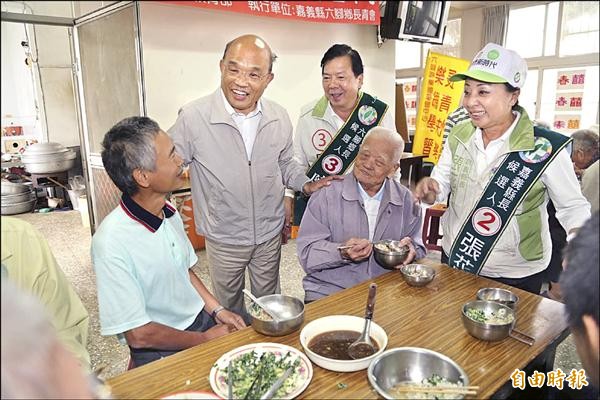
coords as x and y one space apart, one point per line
217 310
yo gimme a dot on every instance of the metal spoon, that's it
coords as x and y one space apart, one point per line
363 346
258 303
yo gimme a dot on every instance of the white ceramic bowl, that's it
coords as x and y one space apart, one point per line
341 323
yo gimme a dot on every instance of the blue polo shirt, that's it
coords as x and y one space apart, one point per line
141 263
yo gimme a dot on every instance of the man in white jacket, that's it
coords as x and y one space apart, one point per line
337 114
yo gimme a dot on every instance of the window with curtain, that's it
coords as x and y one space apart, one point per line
579 33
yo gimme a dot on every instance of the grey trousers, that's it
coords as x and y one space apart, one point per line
227 265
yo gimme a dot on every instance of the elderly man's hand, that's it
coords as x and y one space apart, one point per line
311 187
356 249
426 190
412 252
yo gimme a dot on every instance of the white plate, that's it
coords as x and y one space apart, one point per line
218 377
191 395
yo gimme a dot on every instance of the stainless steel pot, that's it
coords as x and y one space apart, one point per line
47 158
10 199
14 188
18 208
49 167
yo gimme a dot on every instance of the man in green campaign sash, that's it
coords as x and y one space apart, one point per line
331 128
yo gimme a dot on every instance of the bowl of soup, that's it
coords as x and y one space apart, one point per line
326 341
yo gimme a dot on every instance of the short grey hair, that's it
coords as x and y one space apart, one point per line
127 146
28 341
393 137
586 140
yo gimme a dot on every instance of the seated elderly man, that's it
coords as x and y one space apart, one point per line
352 213
147 291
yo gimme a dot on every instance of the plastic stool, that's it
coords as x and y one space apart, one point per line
431 226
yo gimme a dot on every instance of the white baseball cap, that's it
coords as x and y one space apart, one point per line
495 64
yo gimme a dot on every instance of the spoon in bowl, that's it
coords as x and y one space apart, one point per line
363 346
258 303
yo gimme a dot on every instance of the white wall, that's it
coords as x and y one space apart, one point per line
183 45
472 33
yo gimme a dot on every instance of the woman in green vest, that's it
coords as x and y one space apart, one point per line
500 171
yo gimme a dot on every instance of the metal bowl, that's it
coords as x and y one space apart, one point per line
417 274
290 309
341 323
412 364
487 331
498 295
14 188
389 259
10 199
17 208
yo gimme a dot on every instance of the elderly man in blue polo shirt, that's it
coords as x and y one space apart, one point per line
147 291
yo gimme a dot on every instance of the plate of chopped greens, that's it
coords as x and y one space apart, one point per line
255 367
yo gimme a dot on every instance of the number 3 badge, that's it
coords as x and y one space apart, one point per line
332 164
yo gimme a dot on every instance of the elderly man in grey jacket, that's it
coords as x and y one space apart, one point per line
239 147
365 207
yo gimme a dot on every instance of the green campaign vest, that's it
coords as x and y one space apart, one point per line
503 194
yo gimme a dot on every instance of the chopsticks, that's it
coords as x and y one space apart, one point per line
437 389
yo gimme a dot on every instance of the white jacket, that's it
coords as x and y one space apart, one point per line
316 127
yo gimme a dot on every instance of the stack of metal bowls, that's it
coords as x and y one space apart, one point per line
48 158
17 198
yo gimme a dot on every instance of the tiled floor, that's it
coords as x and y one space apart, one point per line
70 242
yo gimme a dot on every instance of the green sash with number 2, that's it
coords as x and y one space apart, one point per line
500 199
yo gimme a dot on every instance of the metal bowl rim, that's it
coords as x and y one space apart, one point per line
501 290
284 296
390 253
387 352
483 324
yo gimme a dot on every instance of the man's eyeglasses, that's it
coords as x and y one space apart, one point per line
252 76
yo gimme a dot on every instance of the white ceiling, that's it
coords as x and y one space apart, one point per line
466 5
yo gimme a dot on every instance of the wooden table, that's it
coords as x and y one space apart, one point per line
426 317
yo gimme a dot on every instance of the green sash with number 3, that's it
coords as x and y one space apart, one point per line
505 191
343 148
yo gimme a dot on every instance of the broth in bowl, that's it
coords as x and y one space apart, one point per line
334 344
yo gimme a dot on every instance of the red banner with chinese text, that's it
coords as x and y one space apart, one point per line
439 97
341 12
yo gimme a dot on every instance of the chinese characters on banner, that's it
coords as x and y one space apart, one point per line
439 97
569 98
345 12
410 103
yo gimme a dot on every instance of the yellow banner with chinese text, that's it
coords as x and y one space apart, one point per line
439 97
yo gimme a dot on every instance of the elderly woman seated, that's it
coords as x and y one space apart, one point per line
341 221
